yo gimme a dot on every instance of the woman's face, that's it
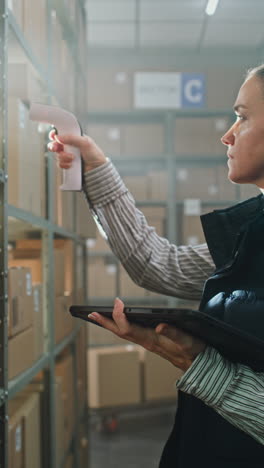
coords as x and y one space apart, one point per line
245 139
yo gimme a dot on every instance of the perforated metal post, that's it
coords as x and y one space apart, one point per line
3 236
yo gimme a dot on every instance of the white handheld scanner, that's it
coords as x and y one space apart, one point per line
65 123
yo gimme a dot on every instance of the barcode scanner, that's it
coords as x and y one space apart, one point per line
64 122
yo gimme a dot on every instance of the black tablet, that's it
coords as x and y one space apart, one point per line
231 342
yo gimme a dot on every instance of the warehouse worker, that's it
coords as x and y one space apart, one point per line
220 417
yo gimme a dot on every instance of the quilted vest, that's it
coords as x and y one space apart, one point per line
200 437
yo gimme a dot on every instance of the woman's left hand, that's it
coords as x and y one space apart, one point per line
167 341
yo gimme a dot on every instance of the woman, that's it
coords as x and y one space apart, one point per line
220 417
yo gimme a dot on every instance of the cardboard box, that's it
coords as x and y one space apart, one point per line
98 243
29 86
16 6
20 303
127 287
143 140
113 376
197 182
38 320
198 137
81 368
138 186
192 231
109 89
17 149
69 462
101 278
83 446
156 217
158 185
24 431
16 439
98 336
20 361
108 137
85 224
35 28
63 321
59 272
159 377
59 420
64 369
34 264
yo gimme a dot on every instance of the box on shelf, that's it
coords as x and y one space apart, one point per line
156 217
16 6
98 336
83 445
109 90
69 463
198 136
20 303
144 139
20 361
63 321
85 224
127 287
35 28
159 377
24 431
39 341
98 243
34 264
26 161
138 186
101 278
108 137
64 369
158 185
113 376
29 87
81 367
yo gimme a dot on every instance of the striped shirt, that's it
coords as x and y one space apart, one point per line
233 390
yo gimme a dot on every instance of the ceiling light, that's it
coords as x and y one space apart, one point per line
211 7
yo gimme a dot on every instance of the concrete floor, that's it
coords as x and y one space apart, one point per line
136 442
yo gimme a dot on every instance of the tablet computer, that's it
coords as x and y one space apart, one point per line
233 343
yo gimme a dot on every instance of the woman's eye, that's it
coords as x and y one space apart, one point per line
240 117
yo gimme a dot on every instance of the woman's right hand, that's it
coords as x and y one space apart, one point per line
92 155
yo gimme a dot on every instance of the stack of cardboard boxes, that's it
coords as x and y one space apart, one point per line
126 375
24 436
26 171
25 315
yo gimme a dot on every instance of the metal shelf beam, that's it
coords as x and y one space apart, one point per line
21 381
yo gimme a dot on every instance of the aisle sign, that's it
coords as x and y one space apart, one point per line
168 90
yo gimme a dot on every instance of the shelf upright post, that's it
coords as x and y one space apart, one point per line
171 205
3 236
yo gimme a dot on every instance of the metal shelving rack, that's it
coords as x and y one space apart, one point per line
48 230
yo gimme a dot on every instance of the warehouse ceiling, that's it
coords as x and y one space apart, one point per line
178 25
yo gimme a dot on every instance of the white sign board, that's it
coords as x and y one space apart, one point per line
157 90
169 90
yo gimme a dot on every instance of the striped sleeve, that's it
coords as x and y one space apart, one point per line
151 261
235 391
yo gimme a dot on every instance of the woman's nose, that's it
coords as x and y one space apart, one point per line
228 138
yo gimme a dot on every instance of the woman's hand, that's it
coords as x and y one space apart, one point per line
166 341
92 155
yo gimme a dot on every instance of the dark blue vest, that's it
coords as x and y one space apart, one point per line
201 438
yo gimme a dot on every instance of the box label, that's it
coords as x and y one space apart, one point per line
18 441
